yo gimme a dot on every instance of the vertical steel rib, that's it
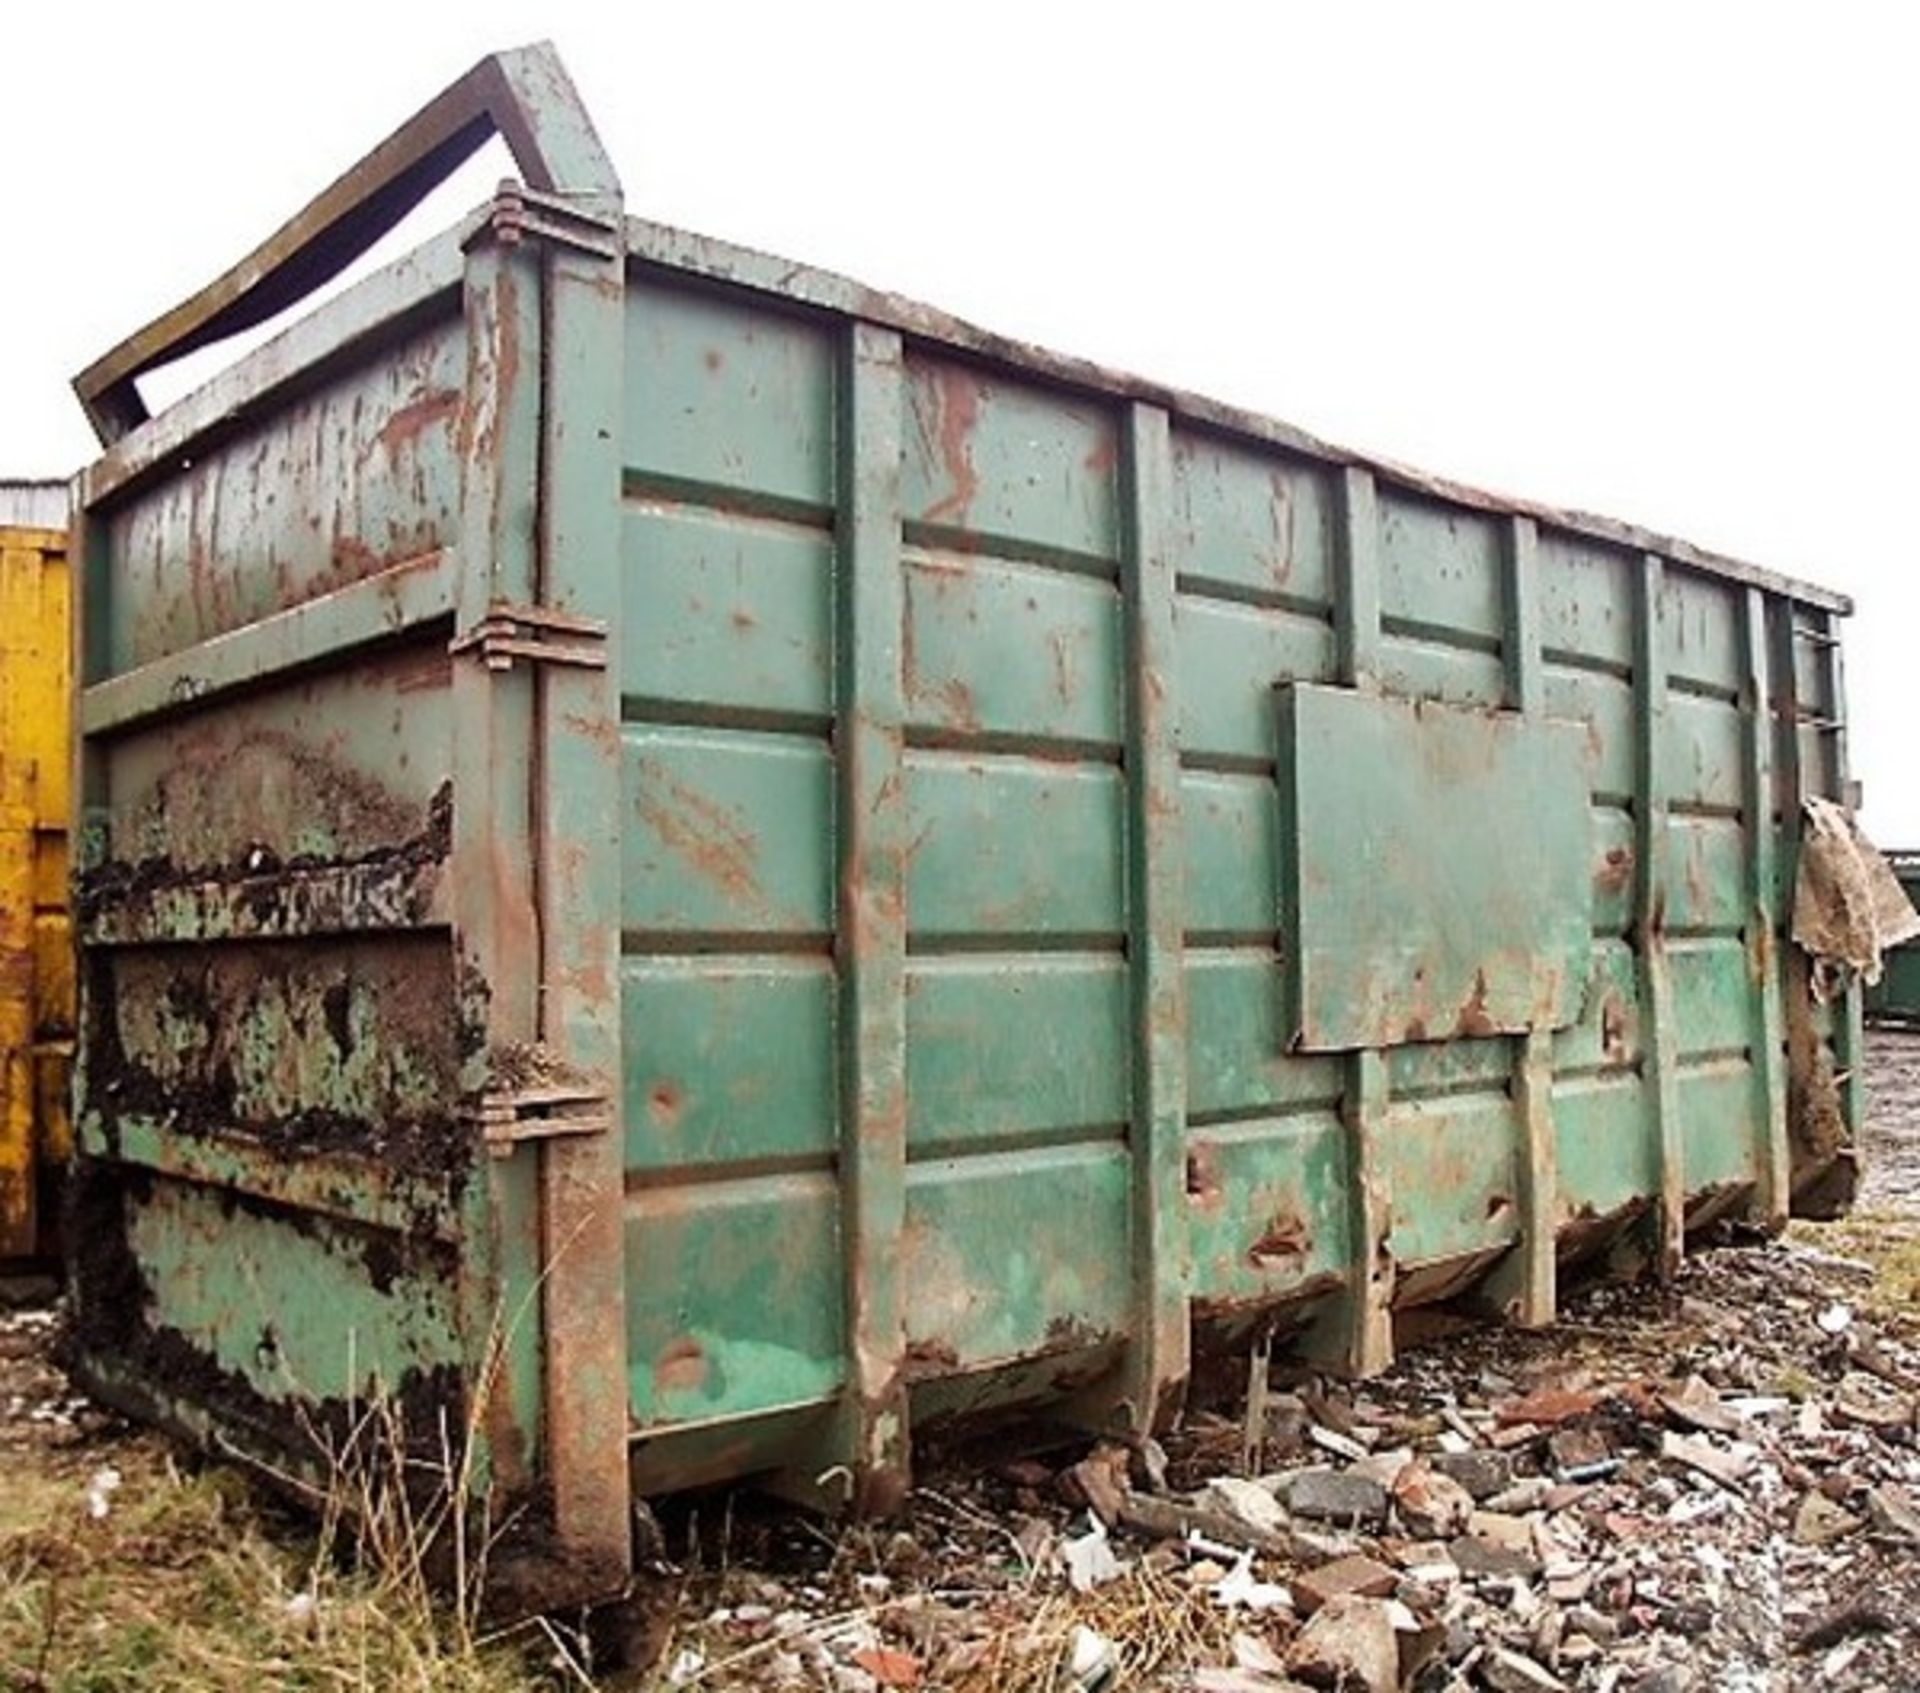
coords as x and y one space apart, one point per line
577 813
1528 1282
872 941
1650 900
1159 1354
1367 1342
1758 799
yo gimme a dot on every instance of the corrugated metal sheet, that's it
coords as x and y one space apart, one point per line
33 504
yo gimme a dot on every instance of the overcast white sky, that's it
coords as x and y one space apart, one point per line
1657 261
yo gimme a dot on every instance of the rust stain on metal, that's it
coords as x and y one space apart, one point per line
881 1487
957 699
959 409
425 672
1204 1187
1062 667
875 912
599 728
1286 1241
1699 886
1068 1332
1616 870
1282 513
1656 930
705 834
681 1368
1613 1027
1167 1014
1474 1020
929 1357
414 419
1163 801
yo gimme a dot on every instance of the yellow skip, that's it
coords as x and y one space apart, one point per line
36 970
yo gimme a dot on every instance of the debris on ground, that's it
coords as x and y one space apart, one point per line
1713 1485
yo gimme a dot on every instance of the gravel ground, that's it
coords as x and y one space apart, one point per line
1892 1150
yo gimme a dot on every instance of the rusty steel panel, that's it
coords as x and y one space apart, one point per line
36 973
320 501
692 870
1470 828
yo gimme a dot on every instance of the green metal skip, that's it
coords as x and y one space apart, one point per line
688 868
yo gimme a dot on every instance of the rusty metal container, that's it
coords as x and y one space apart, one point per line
695 869
36 972
1895 998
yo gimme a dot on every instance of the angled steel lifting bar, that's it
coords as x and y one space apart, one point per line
523 95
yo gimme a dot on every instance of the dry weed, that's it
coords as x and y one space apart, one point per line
191 1583
172 1578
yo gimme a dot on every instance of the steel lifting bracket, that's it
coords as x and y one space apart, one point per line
518 213
534 632
508 1118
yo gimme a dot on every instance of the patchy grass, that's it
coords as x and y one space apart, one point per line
189 1580
1885 1240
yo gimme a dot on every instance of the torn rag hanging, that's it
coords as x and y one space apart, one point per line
1848 907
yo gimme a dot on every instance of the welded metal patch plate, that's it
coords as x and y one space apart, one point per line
1434 876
